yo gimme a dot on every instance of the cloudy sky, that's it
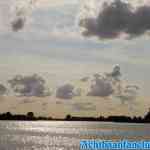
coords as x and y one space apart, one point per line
83 57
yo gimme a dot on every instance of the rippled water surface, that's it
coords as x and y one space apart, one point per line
64 135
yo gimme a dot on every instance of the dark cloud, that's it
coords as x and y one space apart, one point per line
83 107
21 13
29 86
104 85
117 18
18 24
3 90
115 74
111 84
101 87
67 91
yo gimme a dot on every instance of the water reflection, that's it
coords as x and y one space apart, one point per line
64 135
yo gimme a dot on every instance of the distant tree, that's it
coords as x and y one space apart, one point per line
101 118
68 117
30 115
147 116
8 114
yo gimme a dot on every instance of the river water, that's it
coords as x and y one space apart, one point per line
60 135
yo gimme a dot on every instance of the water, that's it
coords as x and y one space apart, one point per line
64 135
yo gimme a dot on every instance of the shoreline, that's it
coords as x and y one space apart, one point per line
8 116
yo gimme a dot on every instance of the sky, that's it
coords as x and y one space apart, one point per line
78 57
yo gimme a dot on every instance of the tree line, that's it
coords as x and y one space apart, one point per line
31 117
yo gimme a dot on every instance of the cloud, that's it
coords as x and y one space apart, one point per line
128 94
105 85
67 91
21 11
101 87
14 14
111 84
115 74
29 86
84 79
117 18
59 102
18 24
83 107
3 90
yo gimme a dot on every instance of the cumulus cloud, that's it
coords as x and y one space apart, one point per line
117 18
14 14
21 11
111 84
29 86
3 90
101 87
115 74
83 107
67 91
128 94
18 24
105 85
